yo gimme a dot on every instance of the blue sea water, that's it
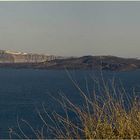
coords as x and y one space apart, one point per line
23 91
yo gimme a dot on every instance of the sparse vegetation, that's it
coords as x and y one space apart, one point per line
112 116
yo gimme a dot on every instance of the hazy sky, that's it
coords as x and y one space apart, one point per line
71 28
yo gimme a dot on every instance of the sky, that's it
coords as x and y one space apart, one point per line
71 28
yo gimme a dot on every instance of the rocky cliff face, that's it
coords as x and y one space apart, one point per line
36 61
18 57
93 62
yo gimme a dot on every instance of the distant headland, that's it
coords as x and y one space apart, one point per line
11 59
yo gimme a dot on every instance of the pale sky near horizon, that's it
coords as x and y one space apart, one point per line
71 28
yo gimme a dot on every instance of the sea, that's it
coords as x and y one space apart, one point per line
24 93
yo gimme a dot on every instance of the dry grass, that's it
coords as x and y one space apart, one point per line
107 121
105 117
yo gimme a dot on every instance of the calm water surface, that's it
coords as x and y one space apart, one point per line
23 91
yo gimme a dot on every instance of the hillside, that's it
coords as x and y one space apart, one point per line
86 62
93 62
